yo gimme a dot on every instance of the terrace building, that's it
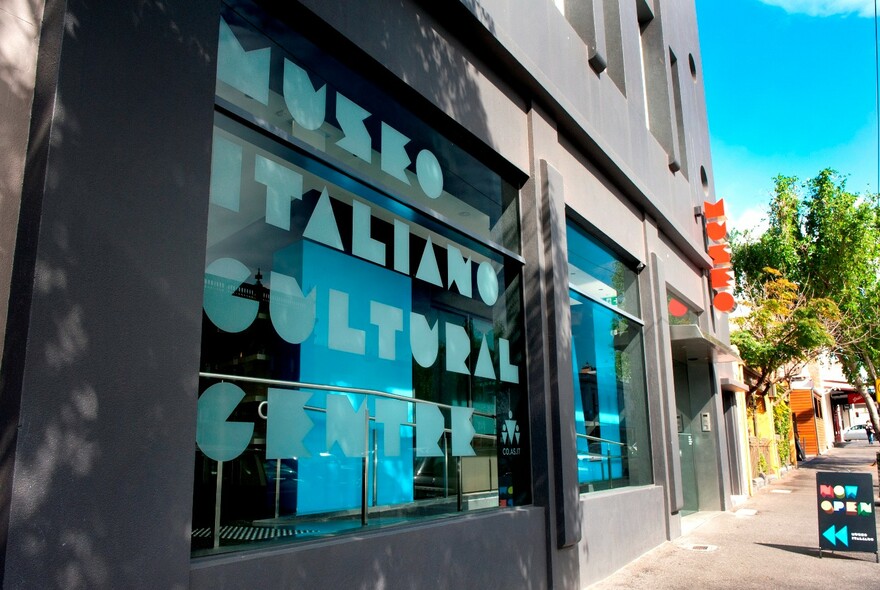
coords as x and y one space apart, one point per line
357 294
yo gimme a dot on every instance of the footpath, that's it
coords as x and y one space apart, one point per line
770 541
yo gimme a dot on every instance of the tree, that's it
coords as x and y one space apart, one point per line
783 330
825 240
842 262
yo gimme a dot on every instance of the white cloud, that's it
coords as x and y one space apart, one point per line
825 7
752 219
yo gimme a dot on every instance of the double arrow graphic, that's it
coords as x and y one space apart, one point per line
842 535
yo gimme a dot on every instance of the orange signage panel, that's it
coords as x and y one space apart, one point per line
720 277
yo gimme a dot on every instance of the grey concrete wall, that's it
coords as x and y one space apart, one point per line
106 348
682 276
554 461
660 381
594 197
492 550
633 518
614 124
19 34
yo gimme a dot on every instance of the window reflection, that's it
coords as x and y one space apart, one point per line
597 273
609 377
404 328
362 353
680 313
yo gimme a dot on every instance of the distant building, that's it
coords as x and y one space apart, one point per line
827 404
357 294
770 450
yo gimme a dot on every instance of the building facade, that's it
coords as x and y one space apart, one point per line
347 294
827 405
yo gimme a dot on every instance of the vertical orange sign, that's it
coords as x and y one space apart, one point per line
721 275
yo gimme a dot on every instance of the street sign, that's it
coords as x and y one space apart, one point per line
845 503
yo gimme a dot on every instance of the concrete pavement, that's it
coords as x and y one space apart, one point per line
770 541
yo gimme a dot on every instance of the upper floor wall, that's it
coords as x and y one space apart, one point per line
621 80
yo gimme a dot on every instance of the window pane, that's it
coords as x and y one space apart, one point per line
609 389
597 273
299 91
354 353
680 313
362 336
607 351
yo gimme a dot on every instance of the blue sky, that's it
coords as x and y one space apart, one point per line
790 89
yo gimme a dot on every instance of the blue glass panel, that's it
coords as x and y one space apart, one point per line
333 481
596 272
610 408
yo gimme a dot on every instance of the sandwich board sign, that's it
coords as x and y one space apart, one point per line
845 503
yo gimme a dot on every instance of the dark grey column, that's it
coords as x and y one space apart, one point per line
661 388
548 325
24 214
102 350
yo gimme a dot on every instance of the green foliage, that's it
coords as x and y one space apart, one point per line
783 327
822 249
762 463
782 426
778 248
820 236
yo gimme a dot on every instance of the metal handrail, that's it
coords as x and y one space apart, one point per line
365 459
597 439
604 457
331 388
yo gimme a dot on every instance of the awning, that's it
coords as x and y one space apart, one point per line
690 343
730 384
848 397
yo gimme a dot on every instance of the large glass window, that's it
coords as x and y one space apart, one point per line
361 350
607 352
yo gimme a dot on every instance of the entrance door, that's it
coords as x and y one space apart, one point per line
697 409
733 443
688 473
686 441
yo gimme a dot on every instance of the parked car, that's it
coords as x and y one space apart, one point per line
856 432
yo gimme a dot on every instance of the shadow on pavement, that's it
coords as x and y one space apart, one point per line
850 456
808 551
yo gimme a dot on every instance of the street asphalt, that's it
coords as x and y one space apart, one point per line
770 541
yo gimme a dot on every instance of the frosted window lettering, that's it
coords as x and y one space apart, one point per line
304 102
288 424
282 185
358 315
356 138
229 313
219 439
226 173
322 224
247 71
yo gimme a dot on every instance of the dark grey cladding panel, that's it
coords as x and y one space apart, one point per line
664 425
497 549
102 495
563 437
